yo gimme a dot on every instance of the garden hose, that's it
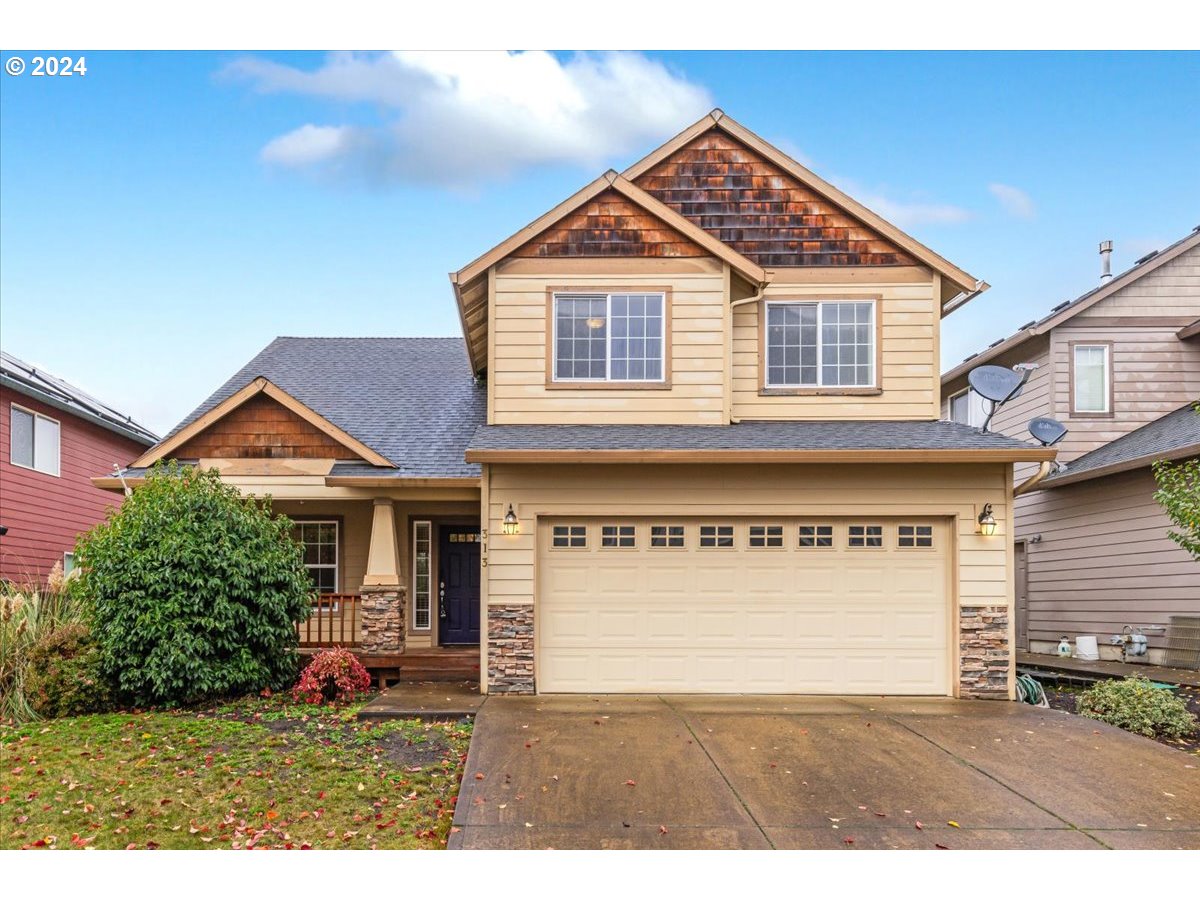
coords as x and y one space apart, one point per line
1029 690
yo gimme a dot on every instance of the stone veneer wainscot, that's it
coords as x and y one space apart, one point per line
983 652
510 649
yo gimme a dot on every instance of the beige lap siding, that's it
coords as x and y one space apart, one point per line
907 355
520 330
981 567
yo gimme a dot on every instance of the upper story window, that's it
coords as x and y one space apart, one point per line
967 408
824 343
610 337
1091 379
33 441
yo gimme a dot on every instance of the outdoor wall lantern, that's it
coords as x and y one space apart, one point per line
987 522
512 525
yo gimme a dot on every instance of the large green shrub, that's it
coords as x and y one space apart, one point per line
63 677
1136 705
195 590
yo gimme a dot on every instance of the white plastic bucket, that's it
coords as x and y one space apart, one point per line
1086 647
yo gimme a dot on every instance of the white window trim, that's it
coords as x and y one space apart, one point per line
1106 388
976 413
337 553
428 525
36 415
607 379
818 303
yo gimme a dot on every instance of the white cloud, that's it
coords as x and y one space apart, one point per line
904 213
1014 201
460 118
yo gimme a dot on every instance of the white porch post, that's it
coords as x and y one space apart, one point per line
383 592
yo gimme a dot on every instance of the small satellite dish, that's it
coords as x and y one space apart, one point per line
996 383
1047 432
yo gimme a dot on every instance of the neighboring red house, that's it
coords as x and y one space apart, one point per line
53 438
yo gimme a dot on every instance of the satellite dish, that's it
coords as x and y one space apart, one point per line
996 383
1047 432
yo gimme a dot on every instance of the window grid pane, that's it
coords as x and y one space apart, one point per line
669 536
866 536
617 536
716 536
915 536
821 344
816 535
320 542
766 535
569 536
603 337
422 583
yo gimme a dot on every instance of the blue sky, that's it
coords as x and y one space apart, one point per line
166 215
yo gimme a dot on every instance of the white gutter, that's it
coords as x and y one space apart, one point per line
753 298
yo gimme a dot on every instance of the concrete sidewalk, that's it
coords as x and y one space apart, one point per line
726 772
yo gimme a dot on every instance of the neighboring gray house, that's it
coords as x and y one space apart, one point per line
1120 367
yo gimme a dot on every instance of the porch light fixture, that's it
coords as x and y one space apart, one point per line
987 522
512 525
595 323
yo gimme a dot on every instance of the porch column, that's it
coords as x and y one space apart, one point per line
383 593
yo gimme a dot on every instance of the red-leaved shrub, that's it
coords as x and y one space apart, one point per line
333 676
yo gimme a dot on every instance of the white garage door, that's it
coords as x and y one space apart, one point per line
830 606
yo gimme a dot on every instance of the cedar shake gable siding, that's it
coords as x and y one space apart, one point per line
761 211
610 225
262 428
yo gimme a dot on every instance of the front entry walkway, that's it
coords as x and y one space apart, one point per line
815 773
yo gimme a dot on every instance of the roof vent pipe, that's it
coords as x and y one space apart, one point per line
1105 261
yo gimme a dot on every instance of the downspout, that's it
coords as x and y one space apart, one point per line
753 298
1034 480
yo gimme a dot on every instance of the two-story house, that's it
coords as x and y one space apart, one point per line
53 438
1120 367
689 442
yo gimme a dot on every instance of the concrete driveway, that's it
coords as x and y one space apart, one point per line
815 773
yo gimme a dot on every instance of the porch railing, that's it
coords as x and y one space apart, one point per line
334 622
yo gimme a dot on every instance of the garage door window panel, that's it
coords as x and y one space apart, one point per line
766 537
915 537
868 537
816 537
716 537
569 537
618 537
667 537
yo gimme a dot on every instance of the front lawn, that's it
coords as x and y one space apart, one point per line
258 773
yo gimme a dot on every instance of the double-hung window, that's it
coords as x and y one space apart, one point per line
33 441
320 542
824 343
1091 378
619 337
967 408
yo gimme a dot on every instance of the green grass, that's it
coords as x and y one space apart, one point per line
252 774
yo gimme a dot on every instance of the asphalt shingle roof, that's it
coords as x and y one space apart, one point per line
873 435
412 400
1159 439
